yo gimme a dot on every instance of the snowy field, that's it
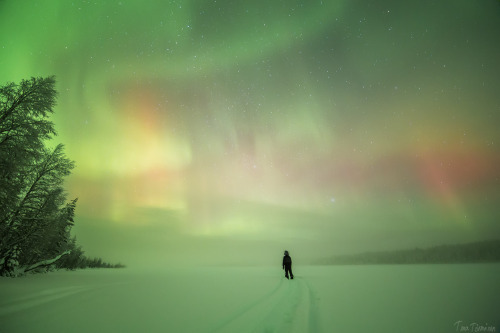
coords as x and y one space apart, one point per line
416 298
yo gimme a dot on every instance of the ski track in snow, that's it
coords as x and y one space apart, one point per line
289 307
413 298
42 297
45 296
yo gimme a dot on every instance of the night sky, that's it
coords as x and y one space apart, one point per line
227 131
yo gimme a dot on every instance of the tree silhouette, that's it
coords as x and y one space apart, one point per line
24 110
34 216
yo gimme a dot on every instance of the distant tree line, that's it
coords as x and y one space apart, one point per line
35 216
477 252
76 259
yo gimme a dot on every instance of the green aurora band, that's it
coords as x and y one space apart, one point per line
319 126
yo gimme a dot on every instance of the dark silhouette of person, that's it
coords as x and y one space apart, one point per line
287 265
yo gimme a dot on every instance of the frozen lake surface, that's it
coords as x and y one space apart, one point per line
405 298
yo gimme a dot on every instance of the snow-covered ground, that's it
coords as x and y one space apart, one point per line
417 298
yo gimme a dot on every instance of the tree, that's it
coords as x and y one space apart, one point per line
39 209
35 219
24 127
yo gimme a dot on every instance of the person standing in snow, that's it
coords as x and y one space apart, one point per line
287 265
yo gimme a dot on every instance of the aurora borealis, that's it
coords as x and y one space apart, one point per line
230 127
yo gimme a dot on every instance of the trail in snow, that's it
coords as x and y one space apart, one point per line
413 298
38 298
288 308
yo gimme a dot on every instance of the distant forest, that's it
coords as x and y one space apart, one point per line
35 216
477 252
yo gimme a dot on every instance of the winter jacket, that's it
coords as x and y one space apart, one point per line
287 260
